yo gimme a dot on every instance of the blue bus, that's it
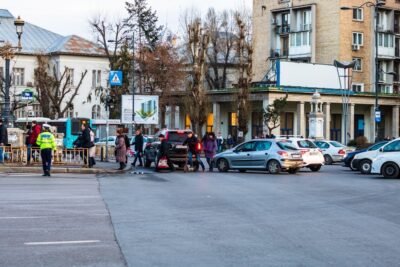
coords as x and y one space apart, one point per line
71 128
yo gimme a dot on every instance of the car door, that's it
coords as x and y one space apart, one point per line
261 153
390 148
242 155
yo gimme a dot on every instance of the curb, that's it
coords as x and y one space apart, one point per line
4 169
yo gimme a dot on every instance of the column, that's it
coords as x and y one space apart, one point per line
327 135
372 124
395 121
217 117
302 119
265 105
172 115
350 128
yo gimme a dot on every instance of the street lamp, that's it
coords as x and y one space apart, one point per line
7 52
376 6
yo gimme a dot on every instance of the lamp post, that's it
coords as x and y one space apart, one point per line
375 5
7 53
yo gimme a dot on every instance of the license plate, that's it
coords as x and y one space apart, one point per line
313 153
296 156
180 147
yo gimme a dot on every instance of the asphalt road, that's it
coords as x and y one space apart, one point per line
331 218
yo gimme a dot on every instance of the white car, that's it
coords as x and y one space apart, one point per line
312 156
333 151
388 160
363 160
111 141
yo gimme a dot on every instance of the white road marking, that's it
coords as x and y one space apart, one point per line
62 242
11 218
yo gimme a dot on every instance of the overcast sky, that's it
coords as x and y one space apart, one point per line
71 16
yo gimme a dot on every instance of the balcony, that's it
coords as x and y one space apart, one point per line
302 28
279 53
282 29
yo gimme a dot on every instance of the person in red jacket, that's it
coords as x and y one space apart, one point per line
33 135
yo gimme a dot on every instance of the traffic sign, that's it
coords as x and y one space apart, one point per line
377 116
27 95
115 78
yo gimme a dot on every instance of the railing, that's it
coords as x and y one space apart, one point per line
19 155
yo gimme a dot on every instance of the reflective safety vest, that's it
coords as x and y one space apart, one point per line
46 140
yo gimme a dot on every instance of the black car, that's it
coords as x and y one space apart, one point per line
353 165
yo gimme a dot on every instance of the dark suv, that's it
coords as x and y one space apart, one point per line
177 152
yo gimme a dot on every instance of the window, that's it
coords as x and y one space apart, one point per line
377 146
358 38
18 76
188 123
70 76
306 20
263 145
337 144
385 40
391 147
300 39
234 119
96 78
1 74
321 144
358 14
96 110
357 87
306 144
358 66
246 147
210 122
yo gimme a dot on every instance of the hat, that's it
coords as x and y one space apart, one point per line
47 126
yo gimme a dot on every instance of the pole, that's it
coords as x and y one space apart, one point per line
6 111
376 72
133 83
107 123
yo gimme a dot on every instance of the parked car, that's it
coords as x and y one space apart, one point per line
333 151
312 156
260 154
111 141
177 152
362 159
146 139
387 160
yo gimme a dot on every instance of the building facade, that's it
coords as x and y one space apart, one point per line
72 52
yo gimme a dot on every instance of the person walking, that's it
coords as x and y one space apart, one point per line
85 144
210 148
138 148
163 152
230 141
192 142
3 139
92 149
33 136
47 144
220 142
120 149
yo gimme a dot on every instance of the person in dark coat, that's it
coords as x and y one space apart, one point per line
163 151
191 142
85 143
3 139
138 148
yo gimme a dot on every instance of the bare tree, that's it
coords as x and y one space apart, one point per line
56 92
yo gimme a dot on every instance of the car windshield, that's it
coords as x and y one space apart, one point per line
336 144
322 145
377 146
286 146
306 144
177 137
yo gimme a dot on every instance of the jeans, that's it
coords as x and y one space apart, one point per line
190 158
46 159
29 152
138 155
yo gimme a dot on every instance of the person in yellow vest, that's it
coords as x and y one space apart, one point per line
47 144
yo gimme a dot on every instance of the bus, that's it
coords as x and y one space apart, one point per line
23 122
71 128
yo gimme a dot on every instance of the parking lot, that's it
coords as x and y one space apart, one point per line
334 217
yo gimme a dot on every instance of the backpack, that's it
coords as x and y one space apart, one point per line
127 143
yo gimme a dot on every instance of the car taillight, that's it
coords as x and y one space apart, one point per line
283 154
342 152
303 151
199 147
320 150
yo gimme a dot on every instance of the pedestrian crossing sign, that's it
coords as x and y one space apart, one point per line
115 78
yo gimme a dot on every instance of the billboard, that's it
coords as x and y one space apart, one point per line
146 109
309 75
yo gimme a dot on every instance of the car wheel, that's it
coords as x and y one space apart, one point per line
390 170
352 167
365 166
222 165
273 167
293 171
328 160
315 168
241 170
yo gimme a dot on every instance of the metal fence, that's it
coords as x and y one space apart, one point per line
19 155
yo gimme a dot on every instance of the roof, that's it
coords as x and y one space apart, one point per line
37 40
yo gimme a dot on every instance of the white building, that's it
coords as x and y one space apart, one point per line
75 53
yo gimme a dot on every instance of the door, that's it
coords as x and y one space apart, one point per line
242 156
261 154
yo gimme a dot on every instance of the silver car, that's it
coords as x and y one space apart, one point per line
260 154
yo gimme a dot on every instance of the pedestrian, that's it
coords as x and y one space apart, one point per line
3 139
220 142
85 144
47 144
210 148
192 143
92 149
33 136
138 148
163 152
230 141
120 149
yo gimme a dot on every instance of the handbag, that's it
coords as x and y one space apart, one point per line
163 163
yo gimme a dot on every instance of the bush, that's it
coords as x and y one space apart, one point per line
352 143
361 141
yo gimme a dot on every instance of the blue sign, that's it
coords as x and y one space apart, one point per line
115 78
27 95
377 116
